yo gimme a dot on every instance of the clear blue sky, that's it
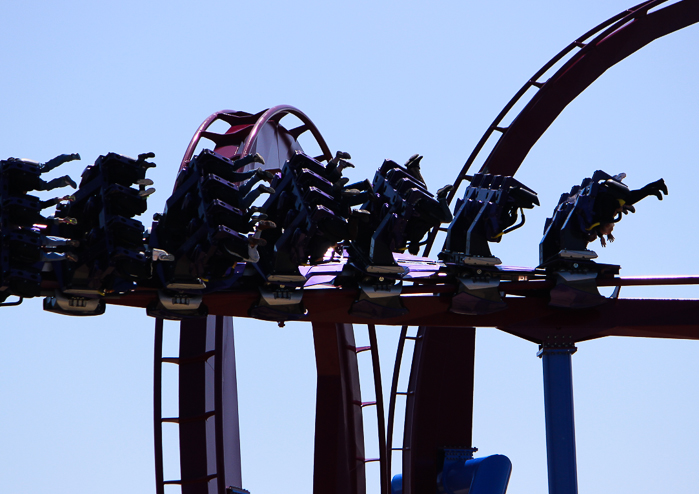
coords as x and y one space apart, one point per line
380 80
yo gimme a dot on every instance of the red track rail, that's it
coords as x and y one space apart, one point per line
589 57
245 130
529 317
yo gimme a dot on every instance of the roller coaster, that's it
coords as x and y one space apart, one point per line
256 228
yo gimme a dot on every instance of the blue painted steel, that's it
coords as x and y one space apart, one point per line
560 421
397 484
463 474
236 490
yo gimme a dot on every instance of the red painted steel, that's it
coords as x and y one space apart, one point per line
260 132
528 317
208 407
189 152
206 442
338 465
628 35
614 40
157 406
193 406
439 412
275 114
227 426
384 453
392 398
439 408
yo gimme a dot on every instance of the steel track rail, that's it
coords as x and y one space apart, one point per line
602 47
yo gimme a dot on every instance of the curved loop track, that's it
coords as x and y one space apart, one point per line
246 129
589 57
340 458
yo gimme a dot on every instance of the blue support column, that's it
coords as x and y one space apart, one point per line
560 420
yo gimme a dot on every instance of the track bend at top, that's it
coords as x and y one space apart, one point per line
589 57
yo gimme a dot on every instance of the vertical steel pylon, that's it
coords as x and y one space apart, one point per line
208 407
560 420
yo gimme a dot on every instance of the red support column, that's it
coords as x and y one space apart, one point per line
208 407
439 407
339 435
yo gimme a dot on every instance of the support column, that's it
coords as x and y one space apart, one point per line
560 420
338 465
439 406
208 407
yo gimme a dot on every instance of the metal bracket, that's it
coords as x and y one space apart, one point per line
281 296
380 290
279 304
477 296
577 254
179 301
557 344
576 290
74 305
177 306
379 300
